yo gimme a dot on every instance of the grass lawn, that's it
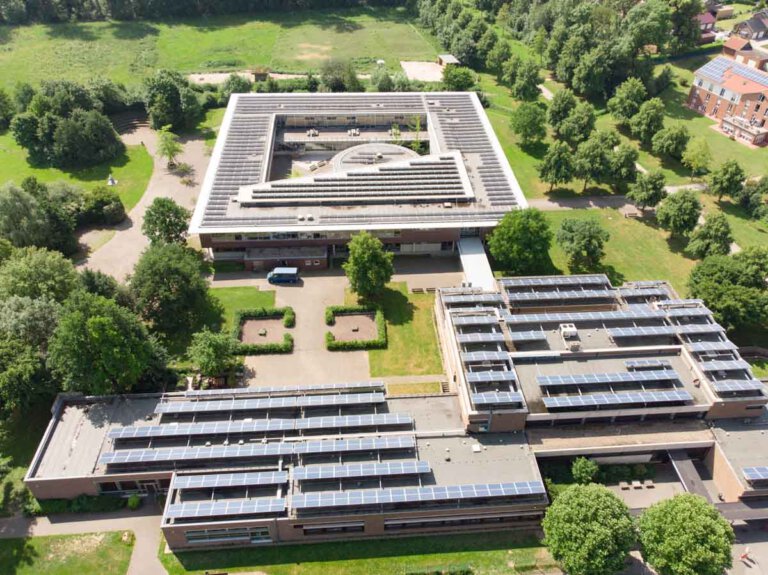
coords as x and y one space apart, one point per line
293 42
760 367
636 251
234 298
412 341
209 126
132 170
746 231
484 553
102 553
413 388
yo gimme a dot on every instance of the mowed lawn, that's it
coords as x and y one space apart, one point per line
412 340
747 232
286 42
483 553
235 298
132 170
637 250
102 553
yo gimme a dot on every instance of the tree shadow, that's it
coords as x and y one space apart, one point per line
17 555
535 149
5 34
69 31
397 308
132 30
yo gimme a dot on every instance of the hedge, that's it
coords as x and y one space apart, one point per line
289 320
356 344
80 504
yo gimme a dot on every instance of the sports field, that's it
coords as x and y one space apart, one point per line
127 51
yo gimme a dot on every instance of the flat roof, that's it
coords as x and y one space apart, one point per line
745 444
456 126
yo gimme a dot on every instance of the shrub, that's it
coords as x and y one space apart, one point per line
134 502
584 470
286 346
266 348
80 504
289 318
356 344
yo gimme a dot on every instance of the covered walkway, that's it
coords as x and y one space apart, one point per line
474 261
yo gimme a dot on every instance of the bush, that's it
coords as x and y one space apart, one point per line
289 318
356 344
266 348
584 470
80 504
134 502
101 205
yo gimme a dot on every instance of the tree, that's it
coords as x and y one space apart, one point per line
85 138
679 213
7 110
561 106
752 197
520 243
622 166
727 180
579 124
168 145
37 273
648 120
499 54
671 141
98 347
401 82
527 80
170 101
381 81
99 283
583 242
339 76
369 266
234 84
648 190
589 531
593 157
458 78
212 352
165 221
685 27
712 238
527 121
29 321
101 205
697 156
686 535
23 220
169 290
584 470
557 167
22 375
626 101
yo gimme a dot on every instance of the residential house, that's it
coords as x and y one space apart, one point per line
707 26
718 10
756 28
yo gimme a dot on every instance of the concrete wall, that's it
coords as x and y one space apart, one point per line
723 475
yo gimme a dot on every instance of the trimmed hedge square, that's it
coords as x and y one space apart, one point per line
241 315
332 344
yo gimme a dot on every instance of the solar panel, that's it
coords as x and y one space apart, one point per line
733 385
225 507
290 389
636 312
360 470
607 378
520 336
490 376
598 279
727 365
642 331
640 364
488 337
560 295
756 473
599 399
482 356
475 320
702 346
688 312
269 403
669 303
252 450
492 297
452 493
642 292
212 480
497 398
699 328
257 426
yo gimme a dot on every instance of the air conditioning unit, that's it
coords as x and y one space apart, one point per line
568 331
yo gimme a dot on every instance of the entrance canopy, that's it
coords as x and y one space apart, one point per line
474 262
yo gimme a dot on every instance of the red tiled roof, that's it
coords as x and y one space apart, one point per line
737 43
705 18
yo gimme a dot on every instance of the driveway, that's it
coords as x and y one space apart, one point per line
119 255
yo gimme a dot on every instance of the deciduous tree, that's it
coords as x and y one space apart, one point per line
697 156
165 221
520 243
37 273
583 242
671 141
679 213
557 167
584 470
168 145
369 266
626 101
212 352
712 238
727 180
648 120
527 121
648 190
458 78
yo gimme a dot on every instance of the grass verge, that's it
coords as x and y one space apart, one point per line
237 298
423 388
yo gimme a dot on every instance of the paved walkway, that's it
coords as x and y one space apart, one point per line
119 255
546 92
146 527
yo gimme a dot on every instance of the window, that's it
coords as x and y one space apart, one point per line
337 528
730 109
237 534
757 106
761 98
707 98
700 83
108 487
722 91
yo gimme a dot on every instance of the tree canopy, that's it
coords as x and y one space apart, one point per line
679 213
671 141
584 470
339 76
37 273
458 78
369 266
557 166
727 180
165 221
583 241
626 101
686 535
712 238
588 530
520 243
170 101
212 352
648 190
527 121
697 156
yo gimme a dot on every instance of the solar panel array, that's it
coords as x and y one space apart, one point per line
642 312
643 331
727 365
560 295
639 364
521 336
475 320
688 312
248 451
703 346
718 68
642 292
497 398
290 389
759 473
258 426
483 356
225 507
598 279
213 480
490 376
492 297
695 328
269 403
357 470
615 399
454 493
737 385
482 337
607 378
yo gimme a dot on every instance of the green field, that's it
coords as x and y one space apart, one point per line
102 553
485 553
760 367
637 250
235 298
132 170
128 51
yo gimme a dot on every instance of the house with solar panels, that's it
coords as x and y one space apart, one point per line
293 176
733 88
